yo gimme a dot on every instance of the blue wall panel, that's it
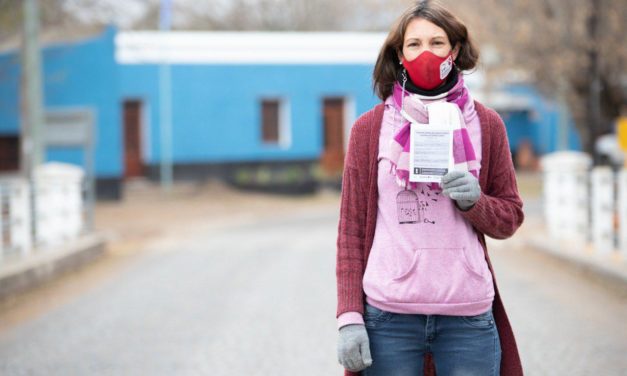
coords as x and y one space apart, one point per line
9 98
518 128
543 122
216 109
84 75
79 75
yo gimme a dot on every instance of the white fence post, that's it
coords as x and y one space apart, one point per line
603 209
3 222
21 217
551 206
566 195
58 209
622 212
58 203
15 219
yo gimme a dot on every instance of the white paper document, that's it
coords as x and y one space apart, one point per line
430 152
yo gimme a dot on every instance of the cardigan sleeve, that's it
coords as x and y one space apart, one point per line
350 263
498 212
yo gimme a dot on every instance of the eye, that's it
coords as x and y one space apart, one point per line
412 44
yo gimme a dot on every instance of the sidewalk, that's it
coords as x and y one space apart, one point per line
609 269
20 274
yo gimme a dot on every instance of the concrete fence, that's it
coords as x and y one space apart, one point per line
15 217
44 213
585 206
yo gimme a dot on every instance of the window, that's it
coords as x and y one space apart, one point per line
274 122
270 121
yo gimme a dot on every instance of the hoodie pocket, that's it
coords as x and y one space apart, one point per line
440 275
406 271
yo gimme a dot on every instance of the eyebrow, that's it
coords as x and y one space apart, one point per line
436 37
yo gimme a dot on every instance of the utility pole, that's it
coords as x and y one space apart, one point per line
32 97
562 139
165 100
594 90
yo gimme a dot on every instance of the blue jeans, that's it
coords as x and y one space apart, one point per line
460 345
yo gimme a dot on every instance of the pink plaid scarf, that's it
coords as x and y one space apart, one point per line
463 152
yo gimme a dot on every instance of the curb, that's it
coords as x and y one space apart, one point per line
46 264
608 269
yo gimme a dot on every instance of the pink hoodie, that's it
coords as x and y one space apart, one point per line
432 263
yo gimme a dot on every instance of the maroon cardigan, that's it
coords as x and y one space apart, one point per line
497 214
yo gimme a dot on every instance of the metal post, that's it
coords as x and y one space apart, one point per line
165 101
594 89
32 106
562 141
90 171
32 152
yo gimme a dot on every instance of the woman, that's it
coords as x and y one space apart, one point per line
416 289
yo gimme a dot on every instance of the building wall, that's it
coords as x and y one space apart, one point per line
80 74
84 75
539 124
9 98
216 109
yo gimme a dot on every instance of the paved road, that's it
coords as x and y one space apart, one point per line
566 322
259 299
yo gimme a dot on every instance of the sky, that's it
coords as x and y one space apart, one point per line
124 13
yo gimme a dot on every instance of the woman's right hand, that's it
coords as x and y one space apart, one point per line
353 349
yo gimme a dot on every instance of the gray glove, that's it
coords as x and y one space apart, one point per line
353 348
462 187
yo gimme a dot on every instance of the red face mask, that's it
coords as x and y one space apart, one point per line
427 70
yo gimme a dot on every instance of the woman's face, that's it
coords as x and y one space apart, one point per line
422 35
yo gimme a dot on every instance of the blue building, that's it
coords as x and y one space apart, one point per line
235 100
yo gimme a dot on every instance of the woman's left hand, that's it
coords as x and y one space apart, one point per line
462 187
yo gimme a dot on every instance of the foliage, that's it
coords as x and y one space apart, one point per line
266 175
564 45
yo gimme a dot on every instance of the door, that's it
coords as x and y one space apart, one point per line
133 165
332 158
9 153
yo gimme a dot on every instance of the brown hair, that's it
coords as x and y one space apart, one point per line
387 65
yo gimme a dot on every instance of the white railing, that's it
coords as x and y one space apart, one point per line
622 212
58 203
603 209
581 206
42 214
15 217
566 195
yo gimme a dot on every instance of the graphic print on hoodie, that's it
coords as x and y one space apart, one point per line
412 206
